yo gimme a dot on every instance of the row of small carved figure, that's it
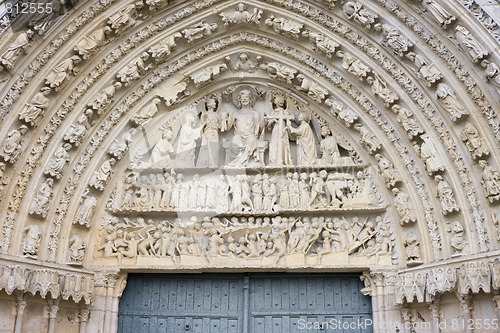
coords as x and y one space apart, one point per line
242 193
247 238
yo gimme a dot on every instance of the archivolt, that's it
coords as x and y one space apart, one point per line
101 70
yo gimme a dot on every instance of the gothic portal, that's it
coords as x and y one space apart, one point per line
278 154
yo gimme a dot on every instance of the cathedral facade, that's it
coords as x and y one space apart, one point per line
257 166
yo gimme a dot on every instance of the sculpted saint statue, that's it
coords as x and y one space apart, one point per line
247 123
279 146
12 145
160 155
306 145
13 52
186 144
209 153
35 107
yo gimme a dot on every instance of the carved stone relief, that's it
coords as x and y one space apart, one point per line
41 201
10 56
242 15
31 240
35 108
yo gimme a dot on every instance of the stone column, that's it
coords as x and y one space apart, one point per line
98 305
496 304
20 306
83 318
435 308
467 307
52 310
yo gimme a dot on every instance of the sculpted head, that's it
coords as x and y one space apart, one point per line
244 97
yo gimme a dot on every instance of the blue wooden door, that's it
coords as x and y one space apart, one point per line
270 303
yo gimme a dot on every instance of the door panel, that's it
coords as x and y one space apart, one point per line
276 303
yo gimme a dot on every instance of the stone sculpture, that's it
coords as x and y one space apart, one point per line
60 73
368 140
342 111
412 246
58 162
78 130
86 210
13 144
490 179
491 72
353 65
134 69
125 18
208 74
77 247
405 118
242 15
439 14
12 53
142 117
279 145
425 69
312 88
457 241
41 201
118 148
433 160
380 89
449 102
354 10
402 204
445 194
284 26
279 71
101 176
321 43
329 149
186 144
394 39
386 168
211 122
199 30
306 144
92 42
105 97
161 50
31 240
35 108
469 44
474 143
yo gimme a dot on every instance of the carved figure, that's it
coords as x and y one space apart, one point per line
354 10
164 48
433 160
142 117
440 15
402 204
425 69
86 210
243 63
353 65
77 249
10 56
457 241
279 71
58 162
119 147
186 144
490 179
380 89
34 109
105 97
312 88
329 149
211 120
134 69
412 246
286 27
444 193
469 44
306 145
91 43
393 38
42 19
343 112
208 74
31 241
491 72
199 30
321 43
247 123
12 145
77 131
279 145
41 201
318 199
101 176
60 73
449 102
125 18
368 140
474 142
405 118
391 176
241 15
